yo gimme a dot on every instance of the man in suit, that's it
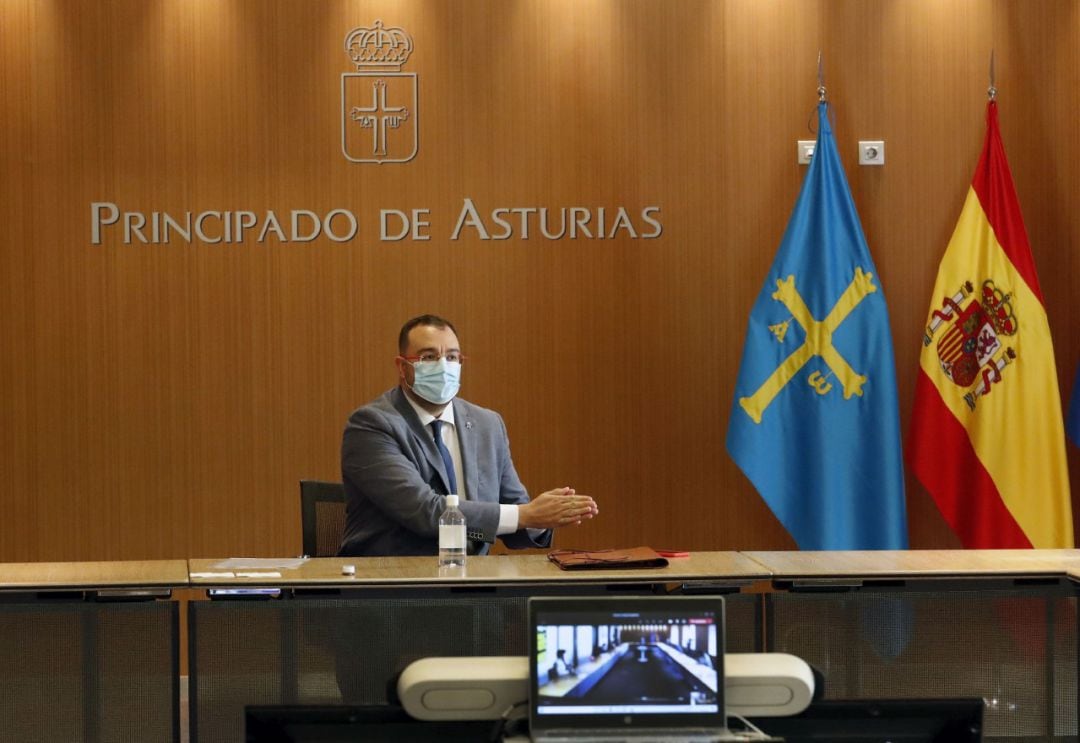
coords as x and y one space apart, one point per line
403 452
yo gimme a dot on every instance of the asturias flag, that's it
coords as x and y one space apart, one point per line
986 434
814 424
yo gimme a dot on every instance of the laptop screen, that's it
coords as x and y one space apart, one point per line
627 661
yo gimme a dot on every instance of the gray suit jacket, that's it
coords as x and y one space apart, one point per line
395 480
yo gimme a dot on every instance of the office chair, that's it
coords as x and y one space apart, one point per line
322 515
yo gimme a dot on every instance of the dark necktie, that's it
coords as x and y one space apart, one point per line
448 461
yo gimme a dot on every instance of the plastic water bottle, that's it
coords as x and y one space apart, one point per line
452 535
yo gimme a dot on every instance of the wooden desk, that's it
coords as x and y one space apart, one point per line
1070 561
998 624
916 564
333 638
729 568
68 576
90 670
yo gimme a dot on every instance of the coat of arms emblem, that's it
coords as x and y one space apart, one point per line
972 349
379 101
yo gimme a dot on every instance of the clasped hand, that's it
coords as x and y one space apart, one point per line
555 508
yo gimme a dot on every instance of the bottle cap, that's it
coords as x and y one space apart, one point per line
451 500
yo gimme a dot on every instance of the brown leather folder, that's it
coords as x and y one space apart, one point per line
634 557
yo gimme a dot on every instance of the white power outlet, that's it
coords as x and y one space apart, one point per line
871 152
806 150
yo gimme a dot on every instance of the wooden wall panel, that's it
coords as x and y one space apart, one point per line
162 401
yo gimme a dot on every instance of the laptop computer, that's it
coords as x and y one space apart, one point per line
627 668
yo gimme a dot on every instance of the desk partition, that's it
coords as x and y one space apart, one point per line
332 639
89 651
999 624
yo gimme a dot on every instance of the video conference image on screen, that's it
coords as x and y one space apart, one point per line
631 665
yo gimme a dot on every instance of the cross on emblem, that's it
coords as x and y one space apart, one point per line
378 116
818 342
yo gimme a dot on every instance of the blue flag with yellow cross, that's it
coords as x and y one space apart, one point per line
814 424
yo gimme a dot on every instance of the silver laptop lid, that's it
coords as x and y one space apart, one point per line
626 662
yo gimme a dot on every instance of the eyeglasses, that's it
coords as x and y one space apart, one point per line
430 357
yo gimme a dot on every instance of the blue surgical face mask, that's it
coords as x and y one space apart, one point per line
437 382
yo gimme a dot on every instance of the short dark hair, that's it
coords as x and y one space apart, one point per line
432 320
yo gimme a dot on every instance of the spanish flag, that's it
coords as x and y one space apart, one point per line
987 438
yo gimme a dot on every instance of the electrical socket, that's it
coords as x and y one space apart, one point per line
871 152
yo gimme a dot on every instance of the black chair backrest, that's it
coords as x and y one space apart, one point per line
322 515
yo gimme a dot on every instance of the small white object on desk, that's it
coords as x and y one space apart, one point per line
348 570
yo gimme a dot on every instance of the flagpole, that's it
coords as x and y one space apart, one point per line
991 92
820 77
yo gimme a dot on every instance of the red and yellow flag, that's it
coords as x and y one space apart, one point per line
987 438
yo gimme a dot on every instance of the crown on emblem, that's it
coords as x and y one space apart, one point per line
998 307
378 46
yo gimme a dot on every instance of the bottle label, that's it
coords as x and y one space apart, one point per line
452 536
